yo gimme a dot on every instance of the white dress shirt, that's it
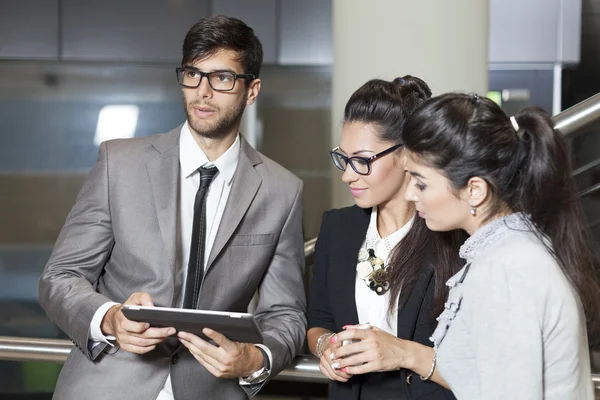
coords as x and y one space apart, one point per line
191 157
371 307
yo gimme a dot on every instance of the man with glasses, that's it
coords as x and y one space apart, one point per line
194 218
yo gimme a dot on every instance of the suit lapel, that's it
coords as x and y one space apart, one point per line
244 187
350 238
163 172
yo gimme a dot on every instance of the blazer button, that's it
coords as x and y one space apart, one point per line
175 359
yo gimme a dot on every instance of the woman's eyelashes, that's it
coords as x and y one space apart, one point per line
420 186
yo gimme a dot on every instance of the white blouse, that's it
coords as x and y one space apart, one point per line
371 307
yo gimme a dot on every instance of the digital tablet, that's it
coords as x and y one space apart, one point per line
238 327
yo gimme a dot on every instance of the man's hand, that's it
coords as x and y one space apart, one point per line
135 337
228 359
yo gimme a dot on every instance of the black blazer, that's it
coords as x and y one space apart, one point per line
332 304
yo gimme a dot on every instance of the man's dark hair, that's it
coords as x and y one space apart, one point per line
213 34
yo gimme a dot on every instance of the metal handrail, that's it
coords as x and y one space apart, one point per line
592 189
586 167
574 120
302 369
309 251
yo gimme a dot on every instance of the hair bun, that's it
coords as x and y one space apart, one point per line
415 85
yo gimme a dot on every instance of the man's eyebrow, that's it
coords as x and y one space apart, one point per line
215 70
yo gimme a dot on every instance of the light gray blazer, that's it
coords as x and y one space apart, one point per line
120 238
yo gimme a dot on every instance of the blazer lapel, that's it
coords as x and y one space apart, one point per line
409 314
163 172
351 236
244 187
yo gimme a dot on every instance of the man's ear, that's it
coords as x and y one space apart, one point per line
252 91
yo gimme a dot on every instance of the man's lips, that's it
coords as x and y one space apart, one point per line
202 107
204 112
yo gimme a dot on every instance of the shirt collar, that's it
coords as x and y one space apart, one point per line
191 157
394 238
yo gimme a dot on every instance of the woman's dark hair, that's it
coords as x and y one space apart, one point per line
527 170
387 106
213 34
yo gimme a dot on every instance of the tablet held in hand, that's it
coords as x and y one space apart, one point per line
238 327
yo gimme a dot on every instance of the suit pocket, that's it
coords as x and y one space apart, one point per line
260 239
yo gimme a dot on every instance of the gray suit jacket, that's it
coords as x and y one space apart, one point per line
120 238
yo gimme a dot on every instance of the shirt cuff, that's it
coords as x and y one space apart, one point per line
96 335
270 356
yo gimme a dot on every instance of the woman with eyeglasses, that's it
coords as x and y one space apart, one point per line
514 326
379 273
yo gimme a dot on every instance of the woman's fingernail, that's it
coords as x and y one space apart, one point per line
333 339
335 365
331 356
345 326
345 370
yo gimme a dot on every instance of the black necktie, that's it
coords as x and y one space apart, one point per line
195 270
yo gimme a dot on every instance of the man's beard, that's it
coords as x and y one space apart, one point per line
217 129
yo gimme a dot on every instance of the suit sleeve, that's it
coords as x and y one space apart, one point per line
66 287
319 312
281 308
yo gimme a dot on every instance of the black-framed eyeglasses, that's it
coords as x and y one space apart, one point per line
221 81
360 165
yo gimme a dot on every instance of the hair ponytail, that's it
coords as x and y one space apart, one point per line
545 170
549 194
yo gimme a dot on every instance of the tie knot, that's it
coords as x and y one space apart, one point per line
207 175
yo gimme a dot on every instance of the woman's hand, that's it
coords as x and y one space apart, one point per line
377 351
326 361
